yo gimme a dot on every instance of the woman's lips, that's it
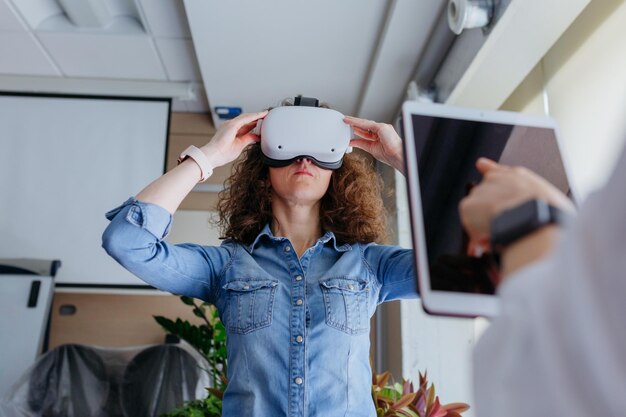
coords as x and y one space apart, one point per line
303 172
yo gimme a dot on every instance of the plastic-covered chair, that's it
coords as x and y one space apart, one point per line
160 379
69 381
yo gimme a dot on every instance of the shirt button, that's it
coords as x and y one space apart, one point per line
246 287
351 286
299 301
287 248
298 381
299 339
299 278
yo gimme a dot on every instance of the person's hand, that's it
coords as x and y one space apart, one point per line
378 139
503 187
232 138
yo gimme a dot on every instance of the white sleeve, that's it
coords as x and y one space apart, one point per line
559 346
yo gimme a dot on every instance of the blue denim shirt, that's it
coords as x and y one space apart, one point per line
298 328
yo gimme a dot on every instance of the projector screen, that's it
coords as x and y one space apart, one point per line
65 161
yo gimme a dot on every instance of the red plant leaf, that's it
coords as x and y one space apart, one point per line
382 379
456 407
436 410
407 387
404 401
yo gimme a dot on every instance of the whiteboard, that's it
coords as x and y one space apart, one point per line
65 161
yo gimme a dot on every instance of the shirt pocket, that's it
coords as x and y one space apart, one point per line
249 304
346 304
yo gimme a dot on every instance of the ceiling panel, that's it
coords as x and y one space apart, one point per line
104 56
8 18
283 48
179 59
22 54
166 18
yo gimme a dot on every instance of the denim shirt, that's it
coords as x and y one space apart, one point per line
298 328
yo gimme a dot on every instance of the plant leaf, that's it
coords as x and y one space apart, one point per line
456 407
404 401
187 300
381 380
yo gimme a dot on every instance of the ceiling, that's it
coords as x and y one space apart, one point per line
358 55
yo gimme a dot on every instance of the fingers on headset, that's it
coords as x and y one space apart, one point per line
247 127
361 144
361 123
247 118
364 132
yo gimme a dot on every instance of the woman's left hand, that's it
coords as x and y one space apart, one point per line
378 139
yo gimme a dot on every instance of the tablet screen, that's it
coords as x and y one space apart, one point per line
446 152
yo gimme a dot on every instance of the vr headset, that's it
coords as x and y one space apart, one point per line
304 130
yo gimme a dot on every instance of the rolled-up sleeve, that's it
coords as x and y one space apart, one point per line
393 267
134 238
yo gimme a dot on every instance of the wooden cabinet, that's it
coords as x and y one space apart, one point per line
113 320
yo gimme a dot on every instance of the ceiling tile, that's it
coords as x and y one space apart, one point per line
21 54
8 18
104 56
179 59
166 18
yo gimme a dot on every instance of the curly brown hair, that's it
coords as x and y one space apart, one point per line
352 207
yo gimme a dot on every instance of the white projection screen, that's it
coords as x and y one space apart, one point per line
65 161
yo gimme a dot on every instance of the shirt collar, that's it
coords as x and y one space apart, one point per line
328 236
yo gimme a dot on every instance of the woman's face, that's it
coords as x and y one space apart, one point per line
302 182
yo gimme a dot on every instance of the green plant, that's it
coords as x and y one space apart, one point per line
209 339
401 399
208 407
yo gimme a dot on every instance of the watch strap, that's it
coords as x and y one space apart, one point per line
206 169
522 220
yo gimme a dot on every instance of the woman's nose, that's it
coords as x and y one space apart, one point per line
303 159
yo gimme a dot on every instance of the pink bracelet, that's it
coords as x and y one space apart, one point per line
199 158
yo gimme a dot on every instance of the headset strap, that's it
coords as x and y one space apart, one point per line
306 101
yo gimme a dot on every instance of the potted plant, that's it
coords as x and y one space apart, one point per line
402 400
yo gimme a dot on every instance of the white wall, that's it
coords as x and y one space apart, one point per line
582 81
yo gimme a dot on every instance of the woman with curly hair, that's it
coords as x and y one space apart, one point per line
298 276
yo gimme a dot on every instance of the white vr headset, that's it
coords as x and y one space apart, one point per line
304 130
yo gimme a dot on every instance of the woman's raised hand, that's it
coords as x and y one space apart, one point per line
378 139
232 138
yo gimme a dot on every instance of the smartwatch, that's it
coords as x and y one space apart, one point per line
515 223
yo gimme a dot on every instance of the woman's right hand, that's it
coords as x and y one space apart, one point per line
232 138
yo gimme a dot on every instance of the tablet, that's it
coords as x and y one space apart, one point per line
442 144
